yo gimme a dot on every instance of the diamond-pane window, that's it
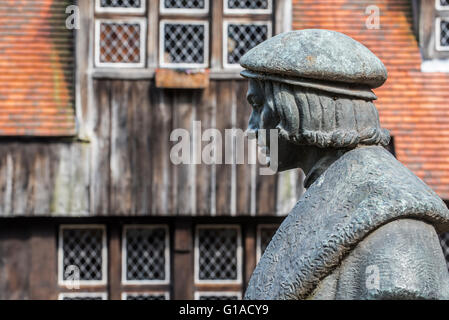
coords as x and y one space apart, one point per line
184 6
82 254
212 296
120 43
184 45
120 6
83 296
240 38
264 236
121 3
146 254
442 4
444 34
444 239
145 296
248 6
218 254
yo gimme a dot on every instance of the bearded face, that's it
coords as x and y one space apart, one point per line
307 117
264 117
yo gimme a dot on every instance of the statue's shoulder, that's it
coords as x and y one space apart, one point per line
358 195
400 260
372 179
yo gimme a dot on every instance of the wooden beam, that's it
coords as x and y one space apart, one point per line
43 273
182 272
217 34
115 262
250 259
283 16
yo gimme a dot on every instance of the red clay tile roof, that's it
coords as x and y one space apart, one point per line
36 69
412 105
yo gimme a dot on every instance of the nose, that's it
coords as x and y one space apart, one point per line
253 125
251 132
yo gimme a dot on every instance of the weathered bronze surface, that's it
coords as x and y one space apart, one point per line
367 227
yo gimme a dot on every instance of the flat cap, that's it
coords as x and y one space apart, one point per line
315 54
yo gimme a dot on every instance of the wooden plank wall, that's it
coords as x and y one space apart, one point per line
28 268
124 168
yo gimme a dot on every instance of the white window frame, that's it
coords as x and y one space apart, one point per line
166 253
239 254
439 47
198 294
226 23
100 9
166 294
259 238
439 7
143 43
228 10
103 295
164 64
104 256
186 11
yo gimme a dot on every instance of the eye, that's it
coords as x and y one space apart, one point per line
255 103
250 99
256 106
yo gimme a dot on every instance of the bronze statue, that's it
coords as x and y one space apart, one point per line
367 227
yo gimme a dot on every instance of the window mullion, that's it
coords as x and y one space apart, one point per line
217 35
153 34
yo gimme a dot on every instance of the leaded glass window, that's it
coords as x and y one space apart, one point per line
184 44
120 43
242 37
442 4
218 254
83 296
185 6
145 296
120 6
145 254
443 25
223 296
265 233
248 6
82 254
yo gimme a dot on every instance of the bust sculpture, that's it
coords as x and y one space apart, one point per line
367 227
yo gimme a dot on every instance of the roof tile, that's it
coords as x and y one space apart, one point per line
36 69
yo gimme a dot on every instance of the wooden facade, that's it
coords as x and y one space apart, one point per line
29 250
119 162
116 171
125 168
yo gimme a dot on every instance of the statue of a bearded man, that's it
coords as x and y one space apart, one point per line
367 227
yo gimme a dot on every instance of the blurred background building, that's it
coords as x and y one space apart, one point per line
87 187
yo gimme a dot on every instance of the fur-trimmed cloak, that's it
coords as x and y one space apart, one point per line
362 191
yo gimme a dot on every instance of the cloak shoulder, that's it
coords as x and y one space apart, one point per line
363 190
